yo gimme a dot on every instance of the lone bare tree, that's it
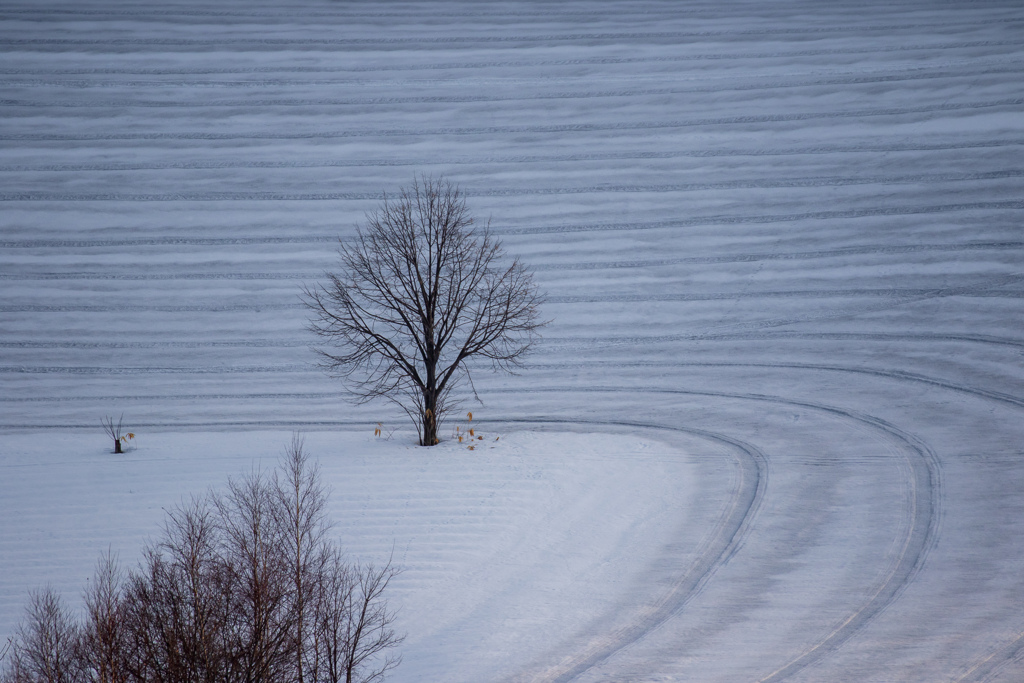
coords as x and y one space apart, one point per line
420 292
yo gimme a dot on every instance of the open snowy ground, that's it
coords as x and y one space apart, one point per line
783 249
507 551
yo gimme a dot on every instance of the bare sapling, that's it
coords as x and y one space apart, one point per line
300 505
114 431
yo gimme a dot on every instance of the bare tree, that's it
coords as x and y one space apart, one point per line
5 649
300 507
102 644
330 620
354 625
422 291
369 626
257 569
44 648
176 605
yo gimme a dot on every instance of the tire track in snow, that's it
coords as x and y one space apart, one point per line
714 552
553 341
308 11
842 252
845 252
920 538
495 130
521 159
709 56
849 312
275 396
318 11
729 533
153 370
765 219
157 277
917 544
876 337
752 183
129 308
716 86
274 43
220 424
906 294
966 290
167 241
922 533
551 229
901 296
779 334
986 668
997 396
726 540
244 343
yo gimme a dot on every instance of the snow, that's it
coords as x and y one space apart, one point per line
774 428
568 519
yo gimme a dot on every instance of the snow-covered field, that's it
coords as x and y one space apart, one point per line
774 431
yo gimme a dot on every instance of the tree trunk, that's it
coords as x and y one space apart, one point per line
117 446
429 420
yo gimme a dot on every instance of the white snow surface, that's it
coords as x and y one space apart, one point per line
506 551
774 430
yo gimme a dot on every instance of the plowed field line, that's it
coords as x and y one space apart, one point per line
218 164
750 183
702 56
492 130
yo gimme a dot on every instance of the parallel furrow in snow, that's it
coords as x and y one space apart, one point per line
279 43
901 296
997 396
866 250
551 229
610 340
519 159
355 68
492 130
765 218
752 183
768 335
354 11
717 86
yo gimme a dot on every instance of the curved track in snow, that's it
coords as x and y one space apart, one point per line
920 532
